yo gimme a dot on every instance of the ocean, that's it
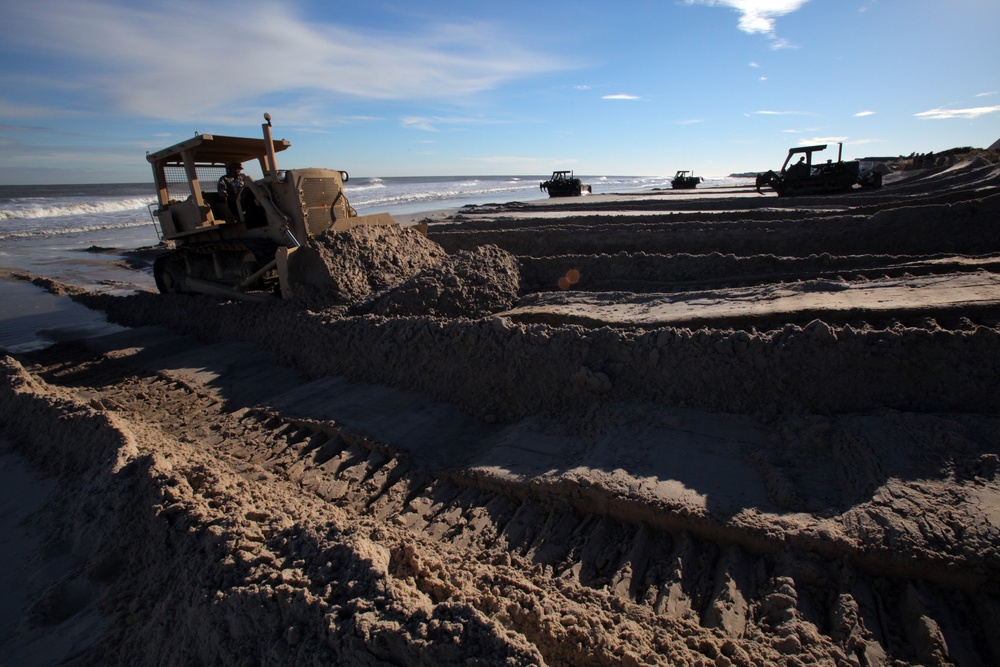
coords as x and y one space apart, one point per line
69 233
28 211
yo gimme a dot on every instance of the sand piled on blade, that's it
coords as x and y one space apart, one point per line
346 268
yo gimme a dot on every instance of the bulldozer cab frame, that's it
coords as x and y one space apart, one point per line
808 152
186 176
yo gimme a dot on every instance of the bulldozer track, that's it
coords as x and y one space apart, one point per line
717 583
178 260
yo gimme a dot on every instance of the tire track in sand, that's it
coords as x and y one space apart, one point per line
798 602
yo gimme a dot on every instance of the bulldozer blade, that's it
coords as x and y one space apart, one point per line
375 220
300 266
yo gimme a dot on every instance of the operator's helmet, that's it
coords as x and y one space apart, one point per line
234 166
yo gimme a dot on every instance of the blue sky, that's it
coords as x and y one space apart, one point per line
381 88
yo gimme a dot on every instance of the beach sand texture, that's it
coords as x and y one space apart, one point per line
750 431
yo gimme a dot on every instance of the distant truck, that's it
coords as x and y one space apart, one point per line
805 177
564 184
685 180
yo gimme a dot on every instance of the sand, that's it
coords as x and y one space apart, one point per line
715 428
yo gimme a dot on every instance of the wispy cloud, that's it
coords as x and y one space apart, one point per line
989 94
821 140
131 56
693 121
862 114
944 114
9 109
758 16
433 123
324 126
766 112
620 96
24 128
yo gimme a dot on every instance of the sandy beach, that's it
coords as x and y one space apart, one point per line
705 427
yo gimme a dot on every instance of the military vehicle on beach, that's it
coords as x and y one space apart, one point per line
685 180
564 184
808 178
253 247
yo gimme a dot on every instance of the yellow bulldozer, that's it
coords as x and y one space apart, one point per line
252 245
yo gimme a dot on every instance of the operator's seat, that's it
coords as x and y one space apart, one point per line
254 215
216 203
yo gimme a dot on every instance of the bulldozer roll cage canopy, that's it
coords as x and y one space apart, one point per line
205 150
217 149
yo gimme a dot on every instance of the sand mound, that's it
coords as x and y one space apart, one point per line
470 284
352 265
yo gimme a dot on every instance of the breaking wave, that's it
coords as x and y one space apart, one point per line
17 210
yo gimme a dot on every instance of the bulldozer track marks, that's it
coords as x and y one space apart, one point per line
873 618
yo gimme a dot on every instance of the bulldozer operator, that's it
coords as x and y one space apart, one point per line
229 187
800 169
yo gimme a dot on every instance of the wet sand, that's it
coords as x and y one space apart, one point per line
743 431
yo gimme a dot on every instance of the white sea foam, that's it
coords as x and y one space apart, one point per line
40 208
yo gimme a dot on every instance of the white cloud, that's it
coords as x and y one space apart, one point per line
323 126
753 64
175 61
757 16
620 96
821 140
862 114
418 123
431 123
781 113
10 109
693 121
944 114
989 94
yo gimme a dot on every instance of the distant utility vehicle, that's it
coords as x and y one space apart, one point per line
685 180
808 178
563 184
